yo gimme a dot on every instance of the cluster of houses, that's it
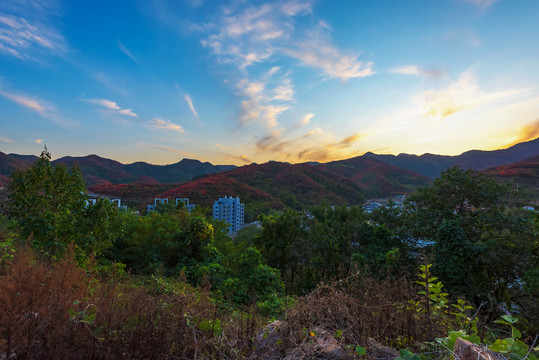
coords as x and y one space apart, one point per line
372 205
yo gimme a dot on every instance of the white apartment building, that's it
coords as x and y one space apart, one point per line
150 208
231 211
186 204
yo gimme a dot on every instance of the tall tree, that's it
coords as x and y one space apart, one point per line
464 213
50 204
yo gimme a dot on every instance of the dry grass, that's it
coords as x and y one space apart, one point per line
59 311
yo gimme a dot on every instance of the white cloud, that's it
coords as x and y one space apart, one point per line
166 124
319 53
6 140
127 112
42 107
27 31
105 103
127 52
247 38
481 3
254 34
415 70
113 107
463 94
189 102
307 119
407 70
39 106
264 100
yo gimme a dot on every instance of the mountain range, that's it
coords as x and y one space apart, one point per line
274 185
98 170
432 165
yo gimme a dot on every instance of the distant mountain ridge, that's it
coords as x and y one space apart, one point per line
432 165
338 182
98 170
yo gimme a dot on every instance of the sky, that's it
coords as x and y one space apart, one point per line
235 82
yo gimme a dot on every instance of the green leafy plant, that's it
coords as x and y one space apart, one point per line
434 301
513 347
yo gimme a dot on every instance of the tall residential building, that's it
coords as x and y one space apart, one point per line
231 211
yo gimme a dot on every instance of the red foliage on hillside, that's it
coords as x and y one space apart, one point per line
525 169
4 180
380 178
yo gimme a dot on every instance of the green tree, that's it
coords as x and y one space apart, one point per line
50 205
454 258
283 242
47 200
464 213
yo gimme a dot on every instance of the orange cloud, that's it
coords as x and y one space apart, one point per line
331 151
242 158
527 132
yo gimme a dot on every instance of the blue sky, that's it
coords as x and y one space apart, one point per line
232 82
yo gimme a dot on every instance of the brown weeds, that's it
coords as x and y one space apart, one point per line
59 311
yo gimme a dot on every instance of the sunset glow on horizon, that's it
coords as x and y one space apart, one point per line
235 82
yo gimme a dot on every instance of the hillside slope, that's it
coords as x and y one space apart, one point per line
380 178
524 175
272 186
432 165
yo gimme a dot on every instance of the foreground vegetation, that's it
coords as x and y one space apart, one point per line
88 282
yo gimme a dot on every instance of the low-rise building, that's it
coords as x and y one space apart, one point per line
157 201
186 205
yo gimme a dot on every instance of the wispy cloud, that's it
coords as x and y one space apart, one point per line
187 98
242 158
27 31
169 149
254 34
318 52
106 103
463 94
128 53
275 143
416 70
481 3
331 151
314 145
112 107
166 124
248 37
189 102
108 82
6 140
38 141
42 107
307 119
